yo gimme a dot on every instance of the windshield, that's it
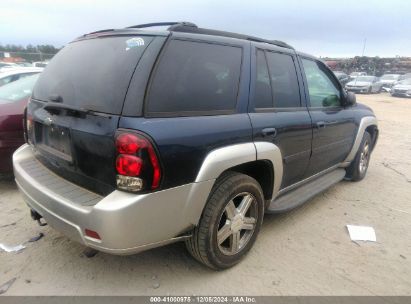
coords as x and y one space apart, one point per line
405 81
356 73
93 74
389 77
365 78
18 90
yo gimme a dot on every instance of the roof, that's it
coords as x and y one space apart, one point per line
188 27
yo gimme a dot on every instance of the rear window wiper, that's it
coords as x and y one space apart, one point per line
55 106
60 106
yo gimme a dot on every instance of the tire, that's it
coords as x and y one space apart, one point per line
369 90
359 166
224 235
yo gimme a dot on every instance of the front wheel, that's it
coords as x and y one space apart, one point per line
359 166
230 222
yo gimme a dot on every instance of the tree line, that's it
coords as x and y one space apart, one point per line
29 52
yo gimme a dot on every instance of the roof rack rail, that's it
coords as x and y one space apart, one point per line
189 27
182 23
182 27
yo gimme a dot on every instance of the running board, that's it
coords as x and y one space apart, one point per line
302 194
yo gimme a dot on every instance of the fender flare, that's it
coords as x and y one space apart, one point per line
222 159
364 124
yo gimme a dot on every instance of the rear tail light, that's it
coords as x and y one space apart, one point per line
27 126
137 163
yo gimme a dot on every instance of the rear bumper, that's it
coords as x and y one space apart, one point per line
127 223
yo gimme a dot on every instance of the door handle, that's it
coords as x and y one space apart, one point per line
320 124
272 132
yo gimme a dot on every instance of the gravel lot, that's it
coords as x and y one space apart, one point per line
304 252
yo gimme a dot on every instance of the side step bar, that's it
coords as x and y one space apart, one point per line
302 194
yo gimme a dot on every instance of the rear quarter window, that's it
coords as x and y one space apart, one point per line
195 78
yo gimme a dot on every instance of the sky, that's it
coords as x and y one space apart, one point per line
322 28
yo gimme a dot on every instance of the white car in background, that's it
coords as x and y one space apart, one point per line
364 84
13 74
40 64
402 88
354 75
7 65
388 80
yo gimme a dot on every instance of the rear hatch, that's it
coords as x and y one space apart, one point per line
76 105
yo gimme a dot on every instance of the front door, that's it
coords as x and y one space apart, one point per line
333 123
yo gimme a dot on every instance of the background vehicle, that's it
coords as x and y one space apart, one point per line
354 75
14 74
186 134
40 64
342 77
388 80
364 84
402 88
13 100
405 76
5 66
25 64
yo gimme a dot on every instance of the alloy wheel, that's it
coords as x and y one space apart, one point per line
237 223
364 158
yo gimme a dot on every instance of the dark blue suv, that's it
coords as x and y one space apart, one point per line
139 138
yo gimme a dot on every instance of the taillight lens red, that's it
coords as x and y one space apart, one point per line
128 165
127 143
137 158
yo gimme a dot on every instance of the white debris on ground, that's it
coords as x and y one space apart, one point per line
361 233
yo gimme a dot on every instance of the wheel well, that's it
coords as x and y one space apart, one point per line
373 130
262 171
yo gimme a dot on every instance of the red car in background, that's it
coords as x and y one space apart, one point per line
13 99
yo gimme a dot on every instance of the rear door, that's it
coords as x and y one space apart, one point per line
196 102
333 123
77 102
278 111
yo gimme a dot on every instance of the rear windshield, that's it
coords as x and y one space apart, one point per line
93 74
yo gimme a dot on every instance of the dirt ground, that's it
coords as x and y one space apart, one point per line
304 252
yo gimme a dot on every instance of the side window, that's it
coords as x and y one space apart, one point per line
195 77
284 82
262 96
324 92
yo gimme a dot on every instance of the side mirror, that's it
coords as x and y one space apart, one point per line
350 99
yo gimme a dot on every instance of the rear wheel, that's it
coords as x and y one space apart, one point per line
359 166
230 222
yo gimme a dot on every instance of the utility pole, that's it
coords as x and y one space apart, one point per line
363 48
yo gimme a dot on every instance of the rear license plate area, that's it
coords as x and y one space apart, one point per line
54 140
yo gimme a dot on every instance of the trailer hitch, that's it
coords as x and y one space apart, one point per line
37 217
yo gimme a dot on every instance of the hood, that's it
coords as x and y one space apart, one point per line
359 83
364 107
387 81
402 87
